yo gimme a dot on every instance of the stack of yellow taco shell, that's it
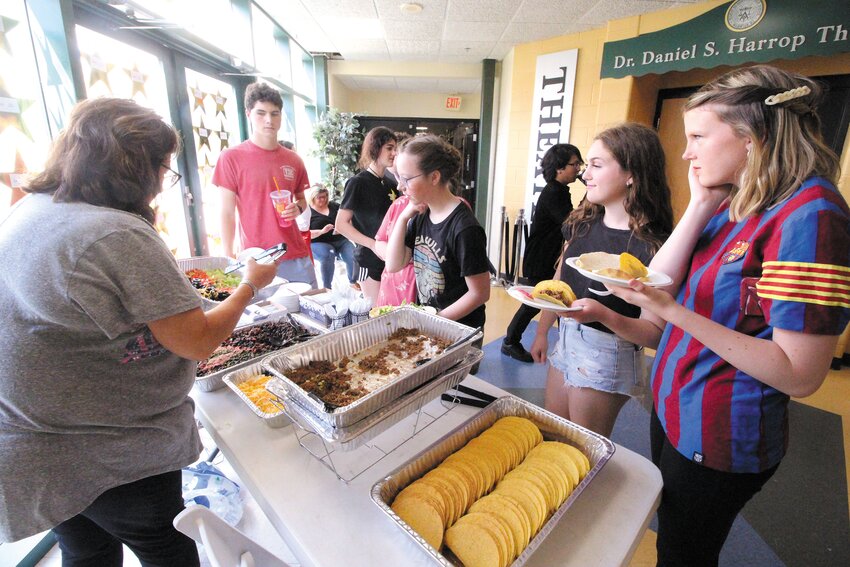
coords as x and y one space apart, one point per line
620 266
487 500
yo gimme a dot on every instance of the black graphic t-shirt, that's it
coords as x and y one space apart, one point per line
443 255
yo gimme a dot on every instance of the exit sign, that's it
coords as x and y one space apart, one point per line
452 103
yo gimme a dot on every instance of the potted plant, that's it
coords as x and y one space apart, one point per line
338 139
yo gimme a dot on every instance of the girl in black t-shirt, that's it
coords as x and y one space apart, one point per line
592 371
440 233
365 201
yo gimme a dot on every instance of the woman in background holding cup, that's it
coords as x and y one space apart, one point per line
327 244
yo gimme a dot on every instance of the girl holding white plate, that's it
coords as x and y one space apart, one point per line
592 371
759 263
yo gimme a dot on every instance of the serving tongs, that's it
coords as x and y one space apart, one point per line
275 252
461 341
478 399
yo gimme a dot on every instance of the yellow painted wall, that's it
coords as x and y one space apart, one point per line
409 104
393 103
601 103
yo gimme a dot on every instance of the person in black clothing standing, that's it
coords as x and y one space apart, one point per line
561 166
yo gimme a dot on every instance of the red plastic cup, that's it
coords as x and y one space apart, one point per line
280 199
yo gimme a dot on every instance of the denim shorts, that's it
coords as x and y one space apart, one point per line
589 358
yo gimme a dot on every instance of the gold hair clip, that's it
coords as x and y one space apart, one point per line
787 95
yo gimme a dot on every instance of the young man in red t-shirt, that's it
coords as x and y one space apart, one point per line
249 172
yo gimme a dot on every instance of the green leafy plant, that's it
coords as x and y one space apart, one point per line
339 139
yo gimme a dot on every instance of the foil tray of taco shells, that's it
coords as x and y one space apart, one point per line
595 447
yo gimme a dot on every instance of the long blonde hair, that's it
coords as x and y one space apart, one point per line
787 147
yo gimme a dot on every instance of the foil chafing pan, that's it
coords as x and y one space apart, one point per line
234 379
350 438
215 380
598 450
356 338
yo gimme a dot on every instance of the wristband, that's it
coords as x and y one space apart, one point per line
252 286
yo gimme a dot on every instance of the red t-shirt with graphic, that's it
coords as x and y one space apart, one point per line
253 173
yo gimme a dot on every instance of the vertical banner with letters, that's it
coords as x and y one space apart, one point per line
551 112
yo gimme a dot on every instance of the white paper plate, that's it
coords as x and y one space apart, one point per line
654 279
517 293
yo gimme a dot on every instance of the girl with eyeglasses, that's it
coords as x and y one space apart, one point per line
440 234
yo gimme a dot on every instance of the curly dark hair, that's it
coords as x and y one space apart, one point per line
638 150
261 92
373 142
109 155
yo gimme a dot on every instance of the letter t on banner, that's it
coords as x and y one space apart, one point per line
551 112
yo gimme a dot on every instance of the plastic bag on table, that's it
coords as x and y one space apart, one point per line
205 485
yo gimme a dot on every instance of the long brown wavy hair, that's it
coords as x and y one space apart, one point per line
638 150
787 147
109 155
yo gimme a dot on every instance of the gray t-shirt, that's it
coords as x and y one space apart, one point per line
89 400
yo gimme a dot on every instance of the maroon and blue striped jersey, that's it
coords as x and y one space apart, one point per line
785 268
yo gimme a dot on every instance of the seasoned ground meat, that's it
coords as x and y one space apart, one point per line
356 375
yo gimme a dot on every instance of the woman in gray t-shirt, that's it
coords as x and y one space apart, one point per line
101 334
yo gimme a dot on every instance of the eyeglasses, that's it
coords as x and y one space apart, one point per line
171 178
576 164
405 181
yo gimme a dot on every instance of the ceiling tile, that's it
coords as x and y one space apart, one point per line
432 10
341 8
523 32
473 31
368 83
476 49
481 10
460 86
552 11
407 49
501 50
401 29
606 10
417 84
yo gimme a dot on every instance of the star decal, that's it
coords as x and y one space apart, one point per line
203 135
99 71
206 171
224 137
16 179
6 24
11 111
139 79
199 97
219 104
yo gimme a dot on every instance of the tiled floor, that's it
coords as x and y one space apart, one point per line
833 397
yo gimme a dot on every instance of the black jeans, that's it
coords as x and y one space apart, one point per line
698 504
138 514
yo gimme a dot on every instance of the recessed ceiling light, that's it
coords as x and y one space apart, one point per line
410 8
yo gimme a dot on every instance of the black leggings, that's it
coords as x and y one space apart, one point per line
698 504
138 514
